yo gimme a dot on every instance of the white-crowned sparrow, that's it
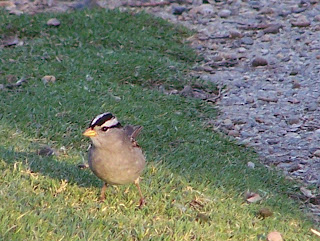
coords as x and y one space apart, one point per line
114 156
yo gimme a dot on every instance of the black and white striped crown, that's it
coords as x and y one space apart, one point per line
105 120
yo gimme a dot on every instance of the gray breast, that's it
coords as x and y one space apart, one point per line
120 167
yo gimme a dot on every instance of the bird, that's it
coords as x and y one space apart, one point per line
115 156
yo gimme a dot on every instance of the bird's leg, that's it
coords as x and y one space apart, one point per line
142 201
83 166
103 192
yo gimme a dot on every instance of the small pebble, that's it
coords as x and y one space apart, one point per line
242 50
273 29
266 38
233 34
228 123
225 13
293 120
48 79
251 165
265 212
294 72
274 236
317 18
293 100
178 10
204 9
317 153
311 107
301 22
259 61
46 151
267 10
247 41
249 100
234 133
296 84
53 22
15 12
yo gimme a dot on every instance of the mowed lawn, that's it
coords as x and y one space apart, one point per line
195 179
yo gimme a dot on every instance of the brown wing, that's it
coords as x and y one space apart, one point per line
132 132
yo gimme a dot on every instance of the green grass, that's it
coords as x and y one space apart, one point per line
195 179
100 45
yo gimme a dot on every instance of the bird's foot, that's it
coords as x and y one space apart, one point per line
102 198
83 166
142 202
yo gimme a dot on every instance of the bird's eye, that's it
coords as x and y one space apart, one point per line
104 128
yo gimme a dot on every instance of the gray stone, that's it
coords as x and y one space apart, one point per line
234 133
272 141
247 41
293 120
272 29
249 100
317 153
53 22
311 107
228 123
317 18
301 21
259 61
187 91
242 50
204 9
178 10
225 13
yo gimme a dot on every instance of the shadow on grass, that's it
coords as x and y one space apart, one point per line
51 167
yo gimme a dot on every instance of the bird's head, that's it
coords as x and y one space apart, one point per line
101 125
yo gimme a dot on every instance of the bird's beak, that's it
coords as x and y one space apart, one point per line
90 133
